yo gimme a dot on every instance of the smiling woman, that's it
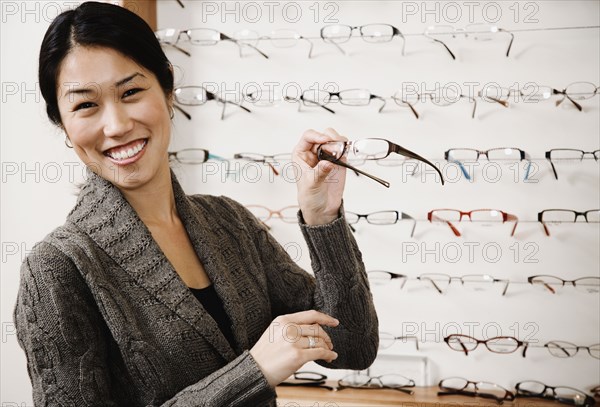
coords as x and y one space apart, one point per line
148 296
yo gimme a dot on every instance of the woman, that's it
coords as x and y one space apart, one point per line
146 296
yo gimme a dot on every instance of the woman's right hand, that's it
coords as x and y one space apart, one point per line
285 346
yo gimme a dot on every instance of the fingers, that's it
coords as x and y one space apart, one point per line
311 139
315 331
308 318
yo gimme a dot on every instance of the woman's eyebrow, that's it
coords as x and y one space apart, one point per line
94 89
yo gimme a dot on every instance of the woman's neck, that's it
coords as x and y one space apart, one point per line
154 202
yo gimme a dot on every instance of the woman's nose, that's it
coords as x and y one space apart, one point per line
117 121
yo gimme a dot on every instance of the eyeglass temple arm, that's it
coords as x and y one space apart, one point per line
564 93
336 45
225 37
324 156
433 217
460 165
526 157
474 104
311 46
445 46
512 218
380 98
549 158
296 100
512 38
180 109
397 32
405 216
395 148
405 391
525 346
180 3
177 48
541 220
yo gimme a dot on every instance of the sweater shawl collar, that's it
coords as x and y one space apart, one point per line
103 213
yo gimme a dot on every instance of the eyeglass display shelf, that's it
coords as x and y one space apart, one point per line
422 397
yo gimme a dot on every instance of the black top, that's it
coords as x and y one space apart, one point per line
212 304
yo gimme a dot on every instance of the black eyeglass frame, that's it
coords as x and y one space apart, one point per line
548 156
588 401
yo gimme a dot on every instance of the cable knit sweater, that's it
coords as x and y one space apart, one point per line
105 320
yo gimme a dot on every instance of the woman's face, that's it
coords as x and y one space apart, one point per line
115 114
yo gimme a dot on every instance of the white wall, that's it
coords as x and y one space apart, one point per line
37 167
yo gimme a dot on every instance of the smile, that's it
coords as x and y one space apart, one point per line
126 152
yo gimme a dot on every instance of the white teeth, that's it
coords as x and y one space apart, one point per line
121 155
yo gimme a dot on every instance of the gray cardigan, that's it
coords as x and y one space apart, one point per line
105 320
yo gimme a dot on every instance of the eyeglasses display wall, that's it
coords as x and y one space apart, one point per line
498 99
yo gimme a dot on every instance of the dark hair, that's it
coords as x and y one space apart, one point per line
96 24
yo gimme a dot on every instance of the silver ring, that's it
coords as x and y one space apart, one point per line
312 343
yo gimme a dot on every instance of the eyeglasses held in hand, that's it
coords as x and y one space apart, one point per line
266 159
590 285
562 394
499 154
478 215
380 218
562 349
475 282
197 96
336 34
348 97
278 38
198 36
386 340
387 381
499 344
440 97
459 386
566 216
478 32
568 154
367 149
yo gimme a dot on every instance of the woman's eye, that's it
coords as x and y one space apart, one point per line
84 105
131 92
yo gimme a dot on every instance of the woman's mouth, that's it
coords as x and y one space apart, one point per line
128 153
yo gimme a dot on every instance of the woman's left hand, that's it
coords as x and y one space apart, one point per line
320 183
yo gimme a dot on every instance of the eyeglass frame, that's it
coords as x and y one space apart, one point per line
399 217
308 382
303 101
576 347
222 37
564 282
509 396
273 212
265 159
450 278
392 148
548 155
466 351
458 31
207 156
209 96
523 156
506 217
403 389
566 95
589 401
398 338
423 96
395 33
540 217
